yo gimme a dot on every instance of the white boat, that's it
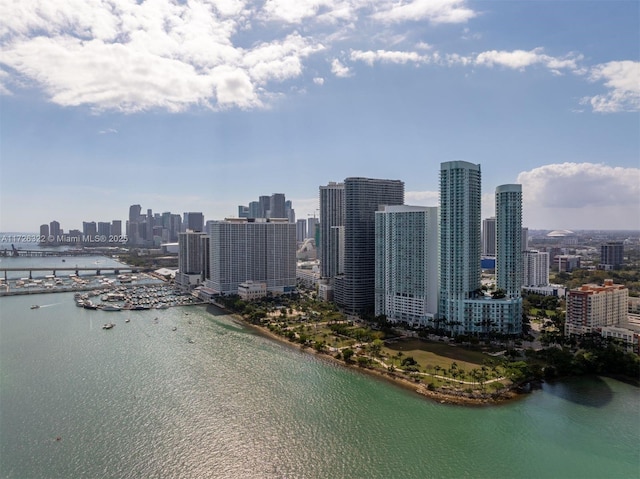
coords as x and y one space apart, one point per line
110 307
108 326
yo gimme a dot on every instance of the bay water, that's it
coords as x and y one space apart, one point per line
190 392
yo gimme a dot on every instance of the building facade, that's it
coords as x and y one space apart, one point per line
406 264
460 272
592 307
331 216
354 287
509 239
193 254
489 236
612 255
535 269
261 250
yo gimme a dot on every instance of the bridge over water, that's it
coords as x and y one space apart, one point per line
40 253
75 269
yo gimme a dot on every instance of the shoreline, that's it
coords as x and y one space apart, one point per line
439 396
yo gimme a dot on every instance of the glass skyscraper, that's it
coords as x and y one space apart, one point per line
354 288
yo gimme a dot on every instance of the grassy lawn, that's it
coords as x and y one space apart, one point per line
432 353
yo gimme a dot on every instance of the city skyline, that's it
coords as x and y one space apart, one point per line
197 106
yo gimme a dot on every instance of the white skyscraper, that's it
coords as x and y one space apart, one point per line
464 309
406 268
460 272
242 250
535 269
509 239
331 216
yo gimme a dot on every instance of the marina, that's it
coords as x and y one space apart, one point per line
135 298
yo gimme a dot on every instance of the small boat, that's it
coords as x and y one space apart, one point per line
35 306
127 320
108 326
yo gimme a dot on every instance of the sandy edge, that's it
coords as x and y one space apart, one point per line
436 396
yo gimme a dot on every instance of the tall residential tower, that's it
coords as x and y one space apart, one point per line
460 273
354 288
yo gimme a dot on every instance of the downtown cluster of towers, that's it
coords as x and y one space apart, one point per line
412 264
422 265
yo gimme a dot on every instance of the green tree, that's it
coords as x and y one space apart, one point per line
347 354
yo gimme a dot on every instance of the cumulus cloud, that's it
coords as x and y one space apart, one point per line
134 56
520 59
623 81
434 11
384 56
339 70
581 195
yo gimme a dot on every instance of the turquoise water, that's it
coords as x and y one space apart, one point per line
215 399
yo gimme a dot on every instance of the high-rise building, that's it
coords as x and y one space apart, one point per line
116 227
535 269
55 230
525 239
264 205
611 255
591 307
192 258
289 212
133 230
460 272
44 234
243 211
104 228
276 206
89 228
489 236
509 239
406 267
331 216
193 221
258 250
354 288
301 230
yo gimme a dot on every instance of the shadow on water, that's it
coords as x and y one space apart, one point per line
216 311
591 391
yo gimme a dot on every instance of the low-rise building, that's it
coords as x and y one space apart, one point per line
250 290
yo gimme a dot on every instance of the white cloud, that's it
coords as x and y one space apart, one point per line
581 196
623 80
339 70
133 56
384 56
434 11
318 81
520 59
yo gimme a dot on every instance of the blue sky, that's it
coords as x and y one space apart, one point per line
201 105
